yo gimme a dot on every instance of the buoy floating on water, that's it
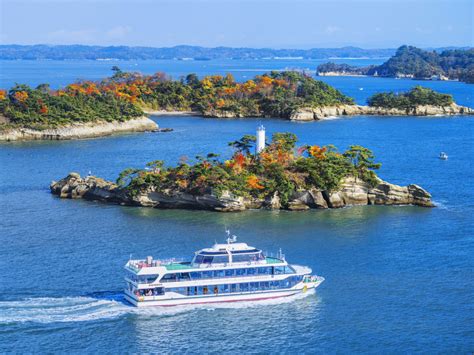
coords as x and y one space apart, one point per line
443 156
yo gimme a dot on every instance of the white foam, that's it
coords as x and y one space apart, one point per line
66 309
83 309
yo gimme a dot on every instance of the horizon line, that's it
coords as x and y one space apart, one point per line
231 47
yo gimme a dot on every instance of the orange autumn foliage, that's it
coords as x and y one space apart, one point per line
183 183
317 152
249 86
43 110
267 158
21 96
266 80
239 159
254 182
91 88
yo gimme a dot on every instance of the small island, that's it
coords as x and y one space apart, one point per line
413 63
419 101
119 103
279 175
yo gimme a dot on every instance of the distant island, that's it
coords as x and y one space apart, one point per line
412 62
281 176
119 103
70 52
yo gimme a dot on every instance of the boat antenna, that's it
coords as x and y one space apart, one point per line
280 255
232 239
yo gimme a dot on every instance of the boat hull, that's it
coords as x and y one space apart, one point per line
171 301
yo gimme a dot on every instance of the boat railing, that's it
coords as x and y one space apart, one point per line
273 255
140 264
270 258
313 278
235 263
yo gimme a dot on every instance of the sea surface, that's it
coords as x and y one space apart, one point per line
398 279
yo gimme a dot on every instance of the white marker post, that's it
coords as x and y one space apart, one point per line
260 139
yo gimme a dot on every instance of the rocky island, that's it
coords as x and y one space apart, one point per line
419 101
78 111
413 63
119 103
279 176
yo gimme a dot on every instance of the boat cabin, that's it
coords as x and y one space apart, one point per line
227 254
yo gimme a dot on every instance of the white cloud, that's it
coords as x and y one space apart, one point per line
72 36
88 36
331 29
118 32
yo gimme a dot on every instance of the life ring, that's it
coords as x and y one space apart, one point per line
305 288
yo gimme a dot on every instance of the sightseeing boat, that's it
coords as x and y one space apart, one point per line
227 272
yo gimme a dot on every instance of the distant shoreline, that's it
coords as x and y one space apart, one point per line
171 113
182 52
343 74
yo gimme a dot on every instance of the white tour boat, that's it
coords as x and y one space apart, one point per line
224 273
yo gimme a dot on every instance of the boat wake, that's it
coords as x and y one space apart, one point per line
65 309
106 306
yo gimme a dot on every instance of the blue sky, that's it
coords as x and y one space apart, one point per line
239 23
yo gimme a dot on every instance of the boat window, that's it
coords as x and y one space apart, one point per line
207 259
219 273
279 270
251 271
264 270
146 279
203 259
244 257
221 259
207 274
168 278
151 291
229 272
181 290
196 275
234 252
240 272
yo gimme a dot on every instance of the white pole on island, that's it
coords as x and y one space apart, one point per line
260 144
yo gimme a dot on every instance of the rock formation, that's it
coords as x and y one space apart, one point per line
320 113
80 130
352 191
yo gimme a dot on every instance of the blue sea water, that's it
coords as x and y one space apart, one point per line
398 279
